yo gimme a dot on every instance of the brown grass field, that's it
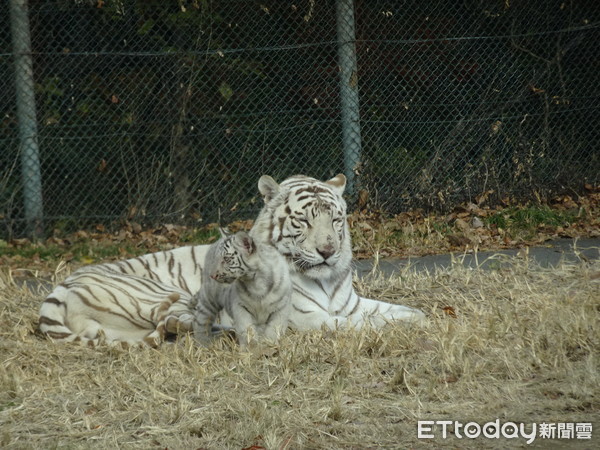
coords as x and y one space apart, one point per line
519 343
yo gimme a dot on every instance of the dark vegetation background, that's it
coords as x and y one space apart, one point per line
169 111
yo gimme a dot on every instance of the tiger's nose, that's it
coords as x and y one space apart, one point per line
326 251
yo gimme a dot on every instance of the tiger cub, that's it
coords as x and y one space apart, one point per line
251 282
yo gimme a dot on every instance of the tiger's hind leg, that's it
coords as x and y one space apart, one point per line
178 324
160 316
91 336
54 324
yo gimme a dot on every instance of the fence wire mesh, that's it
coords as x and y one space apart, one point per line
169 111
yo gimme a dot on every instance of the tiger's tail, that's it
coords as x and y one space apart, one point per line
52 324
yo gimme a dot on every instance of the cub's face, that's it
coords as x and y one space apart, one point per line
234 258
308 224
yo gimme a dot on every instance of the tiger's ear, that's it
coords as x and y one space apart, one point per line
268 187
224 232
338 183
246 242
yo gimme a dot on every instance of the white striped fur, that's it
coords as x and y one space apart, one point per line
305 219
124 302
250 282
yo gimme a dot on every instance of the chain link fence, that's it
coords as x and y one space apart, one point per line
169 111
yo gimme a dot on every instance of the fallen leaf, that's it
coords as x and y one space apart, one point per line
365 226
363 198
136 227
102 166
461 225
450 379
20 242
427 345
458 240
481 198
536 90
449 310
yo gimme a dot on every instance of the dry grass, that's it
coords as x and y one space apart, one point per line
518 343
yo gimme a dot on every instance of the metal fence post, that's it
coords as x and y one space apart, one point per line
351 137
26 116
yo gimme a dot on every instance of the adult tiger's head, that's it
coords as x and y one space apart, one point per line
305 219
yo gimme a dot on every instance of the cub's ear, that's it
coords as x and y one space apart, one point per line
268 187
338 183
224 232
245 242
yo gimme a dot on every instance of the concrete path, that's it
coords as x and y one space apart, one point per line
549 255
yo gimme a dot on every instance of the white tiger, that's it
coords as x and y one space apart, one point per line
251 282
304 218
